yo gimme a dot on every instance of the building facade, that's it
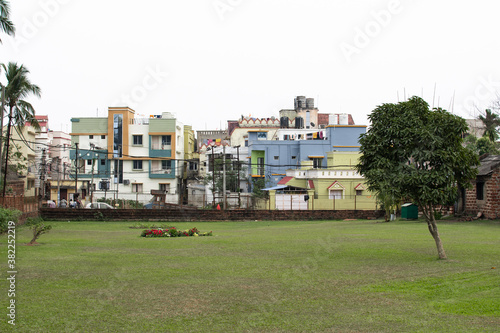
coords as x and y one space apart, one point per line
126 157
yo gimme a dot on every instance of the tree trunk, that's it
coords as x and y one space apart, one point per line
431 224
7 144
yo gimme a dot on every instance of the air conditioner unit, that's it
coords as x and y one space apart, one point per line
126 182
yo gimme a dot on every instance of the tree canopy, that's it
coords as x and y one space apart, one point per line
491 122
6 24
413 152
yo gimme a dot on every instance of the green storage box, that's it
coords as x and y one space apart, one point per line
409 211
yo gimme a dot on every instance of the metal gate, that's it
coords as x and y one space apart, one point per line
291 202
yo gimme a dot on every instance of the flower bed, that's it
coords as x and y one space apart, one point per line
173 232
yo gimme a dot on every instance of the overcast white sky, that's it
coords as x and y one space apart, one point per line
208 61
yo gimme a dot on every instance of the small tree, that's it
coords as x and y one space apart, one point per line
481 146
417 153
257 185
231 176
38 228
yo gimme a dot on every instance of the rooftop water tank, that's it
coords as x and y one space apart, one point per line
343 119
310 103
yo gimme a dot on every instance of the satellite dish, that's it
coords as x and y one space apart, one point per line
313 124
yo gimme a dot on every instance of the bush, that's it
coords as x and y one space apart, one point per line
173 232
6 215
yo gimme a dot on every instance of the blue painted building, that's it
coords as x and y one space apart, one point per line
269 159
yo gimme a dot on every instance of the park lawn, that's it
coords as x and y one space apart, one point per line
321 276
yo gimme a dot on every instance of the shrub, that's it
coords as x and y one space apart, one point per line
38 227
173 232
6 215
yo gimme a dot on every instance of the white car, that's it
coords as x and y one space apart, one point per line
98 205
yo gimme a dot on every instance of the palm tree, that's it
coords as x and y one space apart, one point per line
6 24
491 122
20 111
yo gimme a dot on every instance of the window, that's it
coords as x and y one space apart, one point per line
359 192
165 187
166 165
103 137
91 137
336 194
262 136
317 162
137 188
294 157
166 140
137 165
117 135
103 162
276 158
89 162
137 140
193 166
480 190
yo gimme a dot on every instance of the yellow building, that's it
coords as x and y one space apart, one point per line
337 187
22 156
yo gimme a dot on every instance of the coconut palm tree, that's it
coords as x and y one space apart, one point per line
6 24
20 111
491 122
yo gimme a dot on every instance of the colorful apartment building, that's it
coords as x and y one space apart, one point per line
125 156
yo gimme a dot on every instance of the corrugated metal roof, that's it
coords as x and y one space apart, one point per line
285 180
488 165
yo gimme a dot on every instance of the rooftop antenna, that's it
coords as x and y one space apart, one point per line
434 95
453 102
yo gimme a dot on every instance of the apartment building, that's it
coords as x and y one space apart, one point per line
125 156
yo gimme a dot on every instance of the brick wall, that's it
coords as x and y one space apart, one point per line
490 206
471 207
67 214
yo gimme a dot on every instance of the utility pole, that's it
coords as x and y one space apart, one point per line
42 175
76 173
213 178
238 176
224 176
58 161
92 146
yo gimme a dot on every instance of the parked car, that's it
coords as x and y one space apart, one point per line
98 205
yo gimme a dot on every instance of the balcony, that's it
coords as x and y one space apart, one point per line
160 146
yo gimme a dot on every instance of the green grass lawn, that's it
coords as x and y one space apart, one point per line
324 276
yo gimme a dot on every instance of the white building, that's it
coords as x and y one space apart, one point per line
133 155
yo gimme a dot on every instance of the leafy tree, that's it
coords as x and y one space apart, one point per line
20 111
481 146
491 122
257 185
414 152
6 24
231 176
